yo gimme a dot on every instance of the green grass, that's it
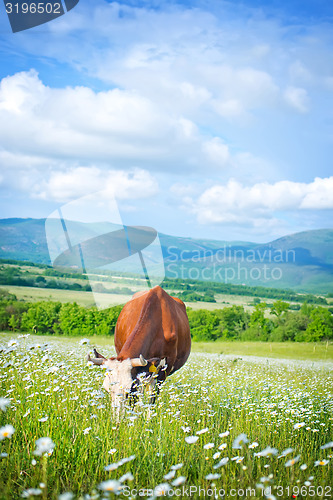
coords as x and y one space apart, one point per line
34 294
286 350
264 400
319 351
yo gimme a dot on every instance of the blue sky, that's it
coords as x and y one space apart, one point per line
205 119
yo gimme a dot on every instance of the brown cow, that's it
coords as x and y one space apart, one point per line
152 340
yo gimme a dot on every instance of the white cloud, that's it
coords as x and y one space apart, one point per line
236 203
217 151
297 98
185 90
40 125
184 58
77 182
77 122
181 190
319 194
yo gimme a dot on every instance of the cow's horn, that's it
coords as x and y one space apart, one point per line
162 363
144 362
139 361
96 361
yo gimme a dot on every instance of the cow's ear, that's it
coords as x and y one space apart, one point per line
98 355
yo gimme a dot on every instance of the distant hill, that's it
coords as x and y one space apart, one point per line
301 261
24 239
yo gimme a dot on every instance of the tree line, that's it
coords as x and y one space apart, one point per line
55 318
188 290
212 287
309 324
17 276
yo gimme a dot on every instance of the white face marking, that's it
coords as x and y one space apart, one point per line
118 379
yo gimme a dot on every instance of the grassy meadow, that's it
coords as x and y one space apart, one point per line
86 299
235 428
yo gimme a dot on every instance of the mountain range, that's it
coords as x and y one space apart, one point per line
302 261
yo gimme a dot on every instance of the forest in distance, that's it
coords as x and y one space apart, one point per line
311 323
29 274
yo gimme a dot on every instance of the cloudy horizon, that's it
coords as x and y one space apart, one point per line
211 121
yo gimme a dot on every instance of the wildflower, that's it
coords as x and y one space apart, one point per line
31 492
293 461
111 467
268 452
216 455
44 445
253 445
224 434
6 432
112 451
240 441
212 477
222 446
4 404
321 462
208 446
170 475
191 439
298 426
84 341
186 429
125 460
202 431
180 480
222 462
176 467
12 343
86 430
44 419
66 496
327 445
126 477
286 452
303 467
111 485
239 460
161 489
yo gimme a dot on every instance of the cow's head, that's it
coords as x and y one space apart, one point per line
126 377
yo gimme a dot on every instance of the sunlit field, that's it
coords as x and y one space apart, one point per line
234 428
34 294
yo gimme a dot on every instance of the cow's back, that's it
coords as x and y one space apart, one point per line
155 324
